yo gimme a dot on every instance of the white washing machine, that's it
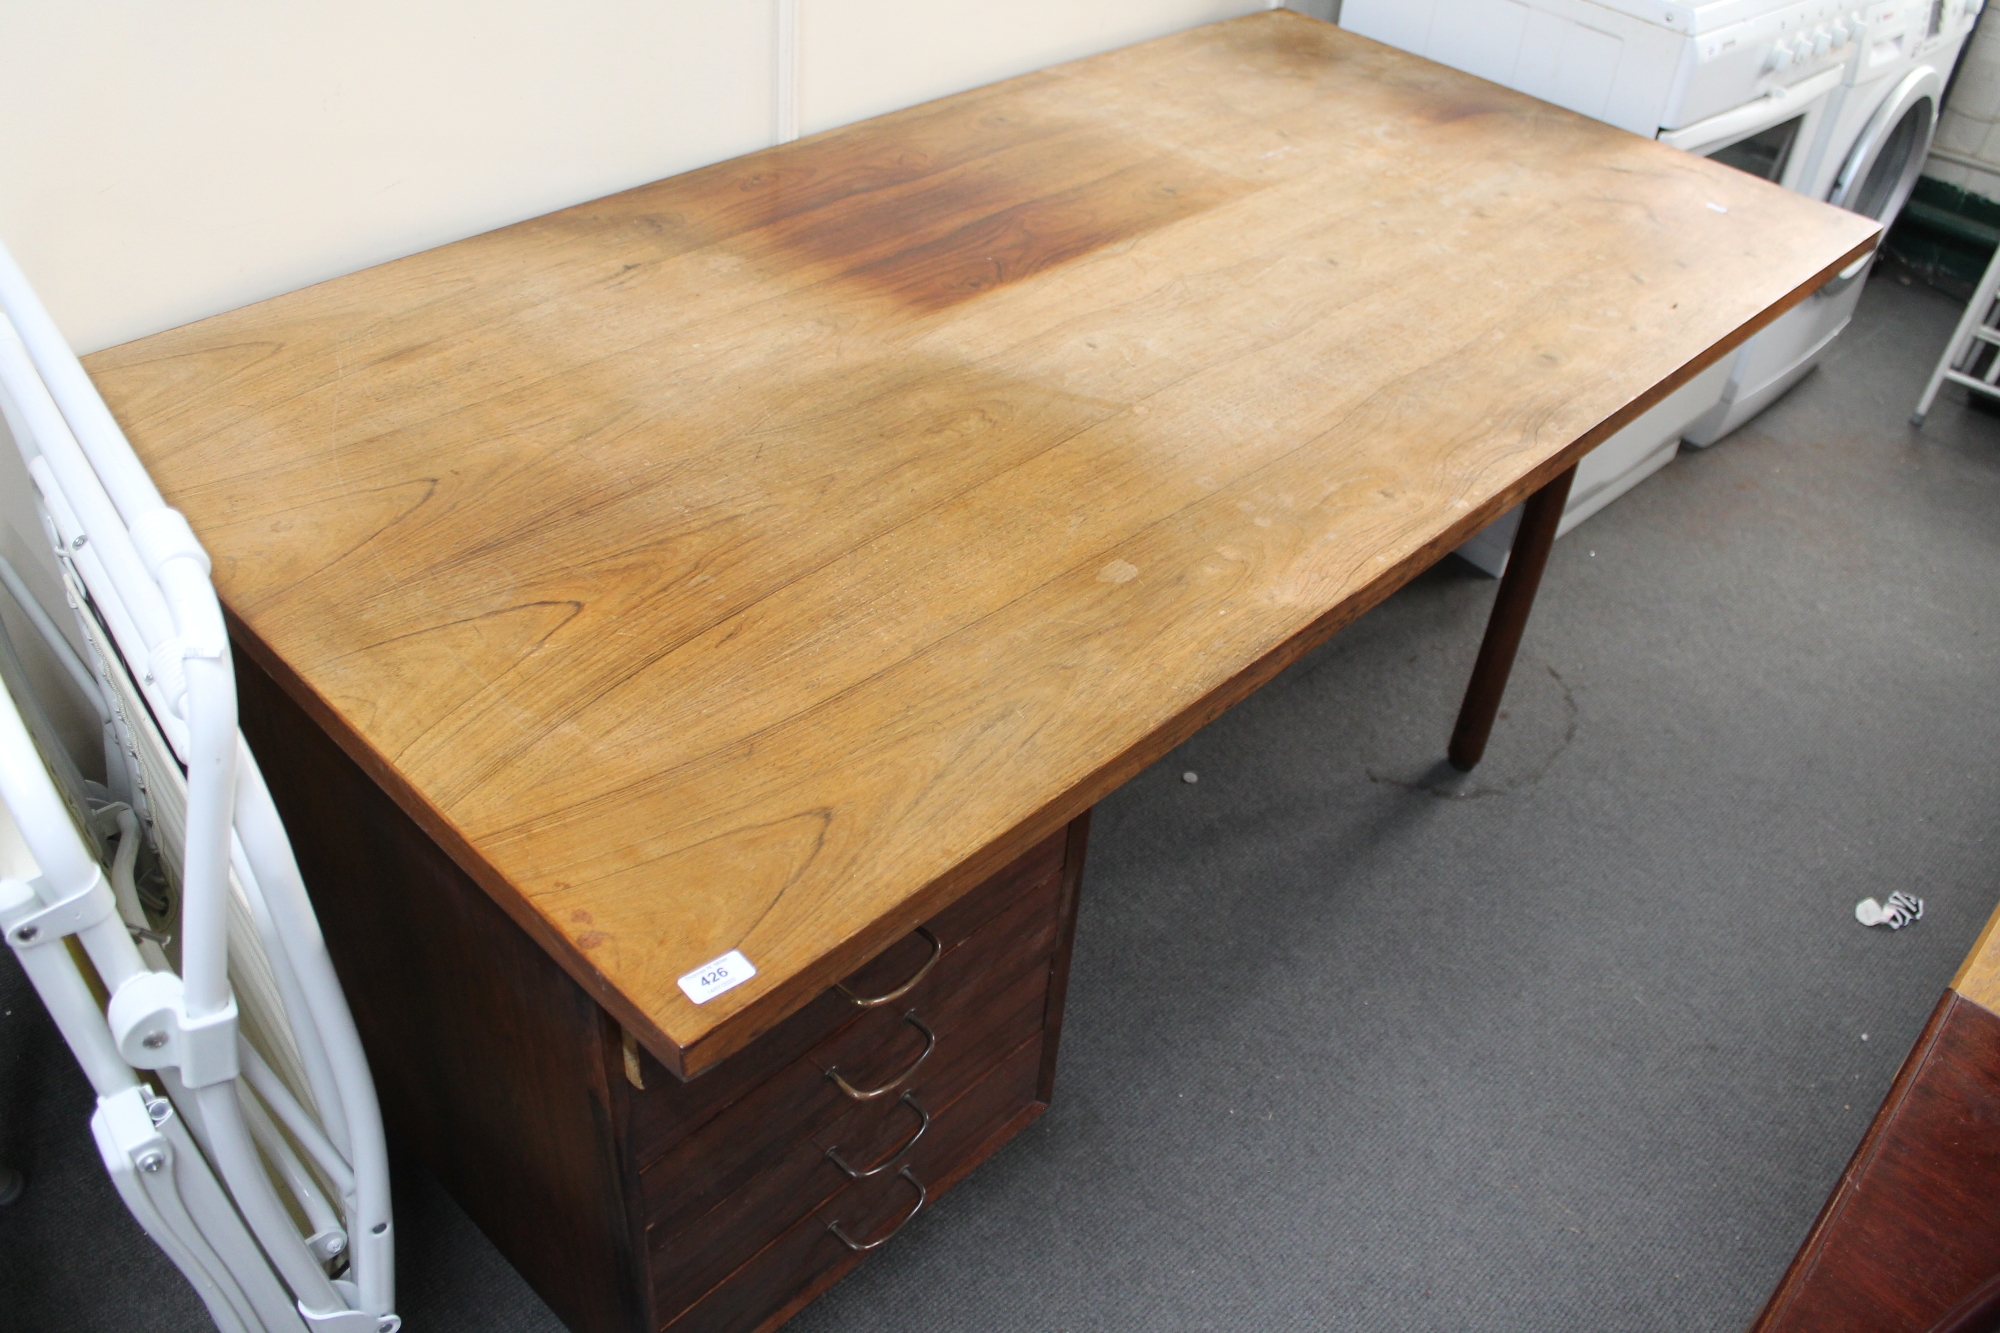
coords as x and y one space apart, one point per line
1748 82
1870 150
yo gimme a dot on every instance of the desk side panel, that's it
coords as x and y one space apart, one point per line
493 1065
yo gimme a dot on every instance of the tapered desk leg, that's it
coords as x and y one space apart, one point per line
1532 540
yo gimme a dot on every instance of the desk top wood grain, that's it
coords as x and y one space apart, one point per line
758 558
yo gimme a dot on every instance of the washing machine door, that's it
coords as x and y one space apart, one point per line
1883 166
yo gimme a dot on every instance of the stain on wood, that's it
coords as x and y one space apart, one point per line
1006 237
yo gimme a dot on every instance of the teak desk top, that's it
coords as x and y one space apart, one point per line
758 558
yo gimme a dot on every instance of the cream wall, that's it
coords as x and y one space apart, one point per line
161 161
859 58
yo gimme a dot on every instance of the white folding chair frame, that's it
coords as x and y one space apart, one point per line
159 1171
164 687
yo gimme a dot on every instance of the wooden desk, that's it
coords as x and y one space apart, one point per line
770 557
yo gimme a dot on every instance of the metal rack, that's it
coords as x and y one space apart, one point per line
1972 358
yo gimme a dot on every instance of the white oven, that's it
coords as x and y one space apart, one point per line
1771 137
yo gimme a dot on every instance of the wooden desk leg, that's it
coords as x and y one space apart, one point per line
1532 540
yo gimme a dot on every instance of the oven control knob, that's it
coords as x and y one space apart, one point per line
1781 56
1822 41
1842 34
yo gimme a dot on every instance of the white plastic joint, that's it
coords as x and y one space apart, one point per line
134 1134
149 1021
349 1292
196 612
46 925
163 665
327 1245
347 1321
162 535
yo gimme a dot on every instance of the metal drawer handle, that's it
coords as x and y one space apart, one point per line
930 1044
924 1122
923 1197
869 1002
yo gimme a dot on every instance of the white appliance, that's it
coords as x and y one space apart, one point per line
1748 82
1641 66
1869 152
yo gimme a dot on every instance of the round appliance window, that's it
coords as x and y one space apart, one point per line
1893 174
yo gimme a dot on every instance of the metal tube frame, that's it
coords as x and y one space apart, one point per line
147 576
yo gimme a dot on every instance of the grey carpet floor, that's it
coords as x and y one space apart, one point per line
1578 1043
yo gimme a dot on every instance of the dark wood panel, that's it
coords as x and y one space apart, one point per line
1076 841
808 1258
671 1108
1912 1228
492 1064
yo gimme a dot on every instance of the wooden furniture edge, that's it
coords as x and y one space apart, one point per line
1806 1261
1075 846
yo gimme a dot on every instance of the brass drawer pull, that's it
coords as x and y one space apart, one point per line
923 1123
869 1095
923 1197
937 951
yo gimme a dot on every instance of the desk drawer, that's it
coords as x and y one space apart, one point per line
977 1002
668 1109
697 1246
806 1258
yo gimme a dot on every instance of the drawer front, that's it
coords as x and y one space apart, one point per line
668 1110
699 1247
807 1257
970 1008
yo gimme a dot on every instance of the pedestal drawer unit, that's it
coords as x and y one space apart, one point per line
630 1199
